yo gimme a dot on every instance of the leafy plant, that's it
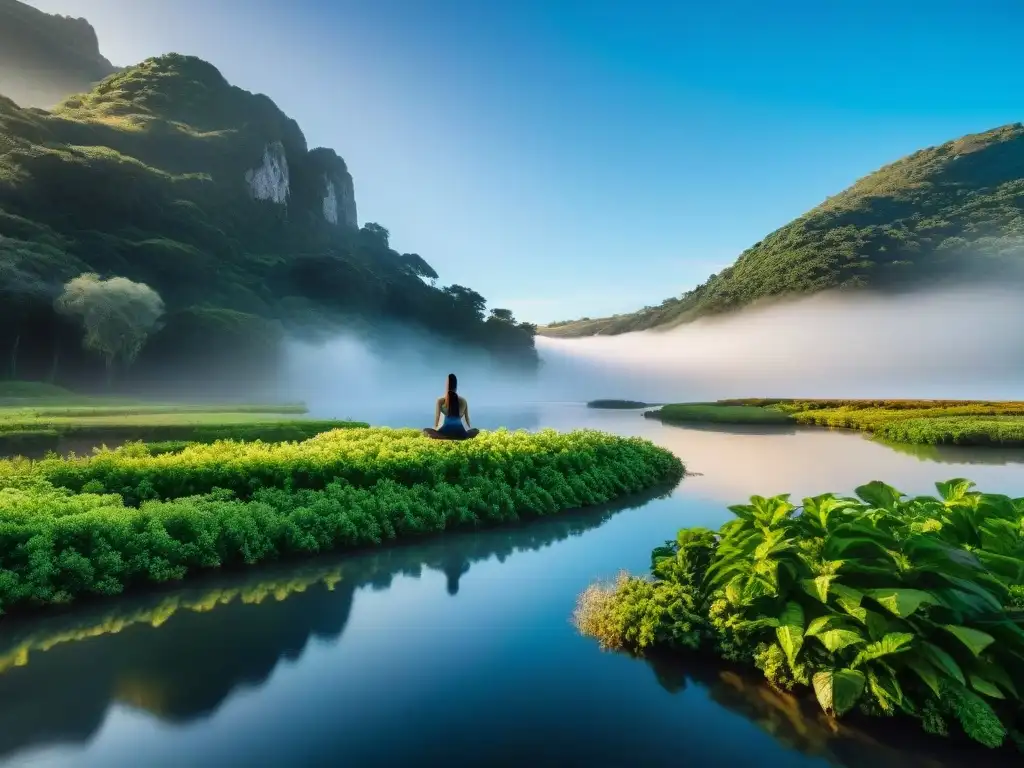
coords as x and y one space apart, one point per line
880 602
94 526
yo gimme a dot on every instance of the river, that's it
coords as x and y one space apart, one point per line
457 650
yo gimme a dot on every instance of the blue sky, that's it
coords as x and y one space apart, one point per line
583 157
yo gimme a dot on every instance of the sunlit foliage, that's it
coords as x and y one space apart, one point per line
93 526
882 603
961 422
951 212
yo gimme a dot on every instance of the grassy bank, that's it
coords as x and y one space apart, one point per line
926 422
880 603
714 413
97 525
39 423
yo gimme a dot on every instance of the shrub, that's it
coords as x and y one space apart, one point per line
75 527
881 603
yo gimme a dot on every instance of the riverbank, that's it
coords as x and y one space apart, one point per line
922 422
79 527
881 604
35 419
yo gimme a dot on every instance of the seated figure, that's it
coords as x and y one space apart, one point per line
456 411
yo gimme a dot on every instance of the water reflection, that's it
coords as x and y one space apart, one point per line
800 725
179 655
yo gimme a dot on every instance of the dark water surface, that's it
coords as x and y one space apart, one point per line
457 651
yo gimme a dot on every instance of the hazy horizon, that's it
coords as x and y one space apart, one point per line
592 159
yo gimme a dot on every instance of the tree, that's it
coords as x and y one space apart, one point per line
467 298
503 315
118 315
377 233
415 264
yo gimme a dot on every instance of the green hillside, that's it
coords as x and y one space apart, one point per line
44 57
948 213
166 174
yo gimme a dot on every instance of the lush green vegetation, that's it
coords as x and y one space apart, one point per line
952 212
96 525
614 404
284 580
684 413
42 426
934 422
145 178
881 603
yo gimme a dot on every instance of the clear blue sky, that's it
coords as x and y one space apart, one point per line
583 157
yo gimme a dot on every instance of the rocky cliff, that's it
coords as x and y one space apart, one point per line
167 174
45 58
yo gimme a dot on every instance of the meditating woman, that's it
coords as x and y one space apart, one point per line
455 410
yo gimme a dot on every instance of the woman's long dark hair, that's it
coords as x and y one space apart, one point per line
451 400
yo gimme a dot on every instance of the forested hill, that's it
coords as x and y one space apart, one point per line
166 174
948 213
44 58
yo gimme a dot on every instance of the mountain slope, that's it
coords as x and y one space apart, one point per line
166 174
45 58
953 212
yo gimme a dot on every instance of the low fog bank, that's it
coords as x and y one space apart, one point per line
950 344
954 344
394 378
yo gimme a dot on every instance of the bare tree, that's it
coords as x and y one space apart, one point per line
118 315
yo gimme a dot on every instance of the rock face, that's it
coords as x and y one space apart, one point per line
339 196
270 180
46 58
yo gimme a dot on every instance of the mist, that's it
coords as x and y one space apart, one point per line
949 344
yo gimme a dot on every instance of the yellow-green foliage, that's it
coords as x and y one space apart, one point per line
16 651
962 422
42 426
685 413
71 527
881 603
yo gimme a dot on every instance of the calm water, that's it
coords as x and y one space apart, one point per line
456 651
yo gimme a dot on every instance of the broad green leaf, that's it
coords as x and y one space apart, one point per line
820 508
984 687
838 690
926 672
877 624
894 642
943 661
825 623
954 490
791 631
975 640
734 591
818 587
849 594
837 639
878 494
885 688
994 672
901 602
1009 567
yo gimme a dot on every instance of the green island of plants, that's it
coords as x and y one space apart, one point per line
924 422
74 527
883 604
618 404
